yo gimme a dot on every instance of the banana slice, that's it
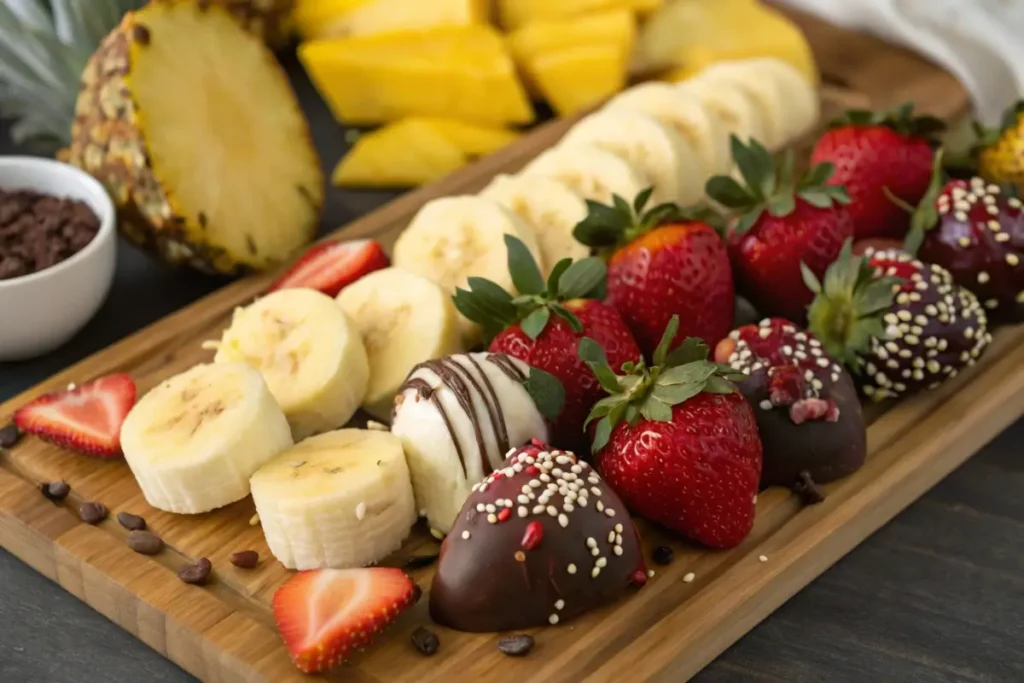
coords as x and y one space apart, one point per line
763 92
802 104
733 108
659 152
404 319
341 499
686 115
590 171
550 208
194 440
309 353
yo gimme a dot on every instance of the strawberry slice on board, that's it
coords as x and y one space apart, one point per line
324 615
86 419
332 266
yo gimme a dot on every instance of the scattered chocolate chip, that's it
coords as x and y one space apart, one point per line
245 559
197 573
144 542
808 491
425 641
516 646
9 436
55 490
93 513
131 522
420 561
38 231
662 555
141 34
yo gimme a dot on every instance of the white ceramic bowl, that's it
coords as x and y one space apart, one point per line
42 311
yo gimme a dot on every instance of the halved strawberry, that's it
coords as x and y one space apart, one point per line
324 615
86 419
332 266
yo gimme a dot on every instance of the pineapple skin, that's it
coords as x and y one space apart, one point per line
107 142
271 20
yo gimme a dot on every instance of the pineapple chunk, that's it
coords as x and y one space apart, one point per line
576 78
462 72
513 14
193 128
416 151
340 18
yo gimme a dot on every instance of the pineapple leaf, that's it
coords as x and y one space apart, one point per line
31 14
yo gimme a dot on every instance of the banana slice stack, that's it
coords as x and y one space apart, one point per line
341 499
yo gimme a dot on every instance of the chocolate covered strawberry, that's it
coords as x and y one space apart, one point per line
975 230
662 261
879 156
782 222
677 441
543 326
901 324
807 409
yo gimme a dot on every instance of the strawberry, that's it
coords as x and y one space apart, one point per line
86 419
806 405
324 615
879 156
677 441
901 325
662 262
782 224
543 325
975 230
332 266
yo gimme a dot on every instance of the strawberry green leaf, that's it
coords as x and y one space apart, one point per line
755 165
603 407
641 200
747 220
727 192
602 433
556 274
655 410
841 273
675 394
603 226
582 278
621 205
926 216
690 350
819 174
591 353
535 322
632 414
718 385
547 393
816 198
667 337
568 316
523 267
691 373
781 205
810 279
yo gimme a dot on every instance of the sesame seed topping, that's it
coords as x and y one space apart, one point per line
690 576
1003 237
609 512
552 510
594 572
595 552
493 519
591 542
563 520
601 563
765 404
618 528
617 550
762 558
523 512
650 573
600 506
983 277
571 569
465 535
553 619
559 604
993 226
1012 259
960 216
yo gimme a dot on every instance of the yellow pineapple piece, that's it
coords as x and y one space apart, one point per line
271 20
191 125
340 18
615 27
473 140
462 72
576 78
513 14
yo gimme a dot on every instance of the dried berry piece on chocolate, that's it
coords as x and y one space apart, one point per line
425 641
517 645
93 513
130 521
197 573
10 435
55 490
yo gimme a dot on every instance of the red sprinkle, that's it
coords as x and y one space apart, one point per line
504 514
639 577
532 536
531 470
497 475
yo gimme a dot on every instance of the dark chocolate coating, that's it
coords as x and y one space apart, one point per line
492 575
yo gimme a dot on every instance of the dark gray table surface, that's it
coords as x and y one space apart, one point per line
936 596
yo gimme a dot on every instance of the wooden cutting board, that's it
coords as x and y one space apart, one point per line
667 631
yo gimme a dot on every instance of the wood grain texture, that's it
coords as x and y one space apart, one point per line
668 631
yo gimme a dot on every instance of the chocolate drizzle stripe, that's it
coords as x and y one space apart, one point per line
464 377
495 413
508 366
426 391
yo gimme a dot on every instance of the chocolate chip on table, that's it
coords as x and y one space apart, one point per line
808 491
131 522
55 490
245 559
516 646
425 641
420 561
93 513
145 542
662 555
38 231
197 573
9 435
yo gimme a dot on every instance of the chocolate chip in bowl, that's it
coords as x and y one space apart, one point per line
38 231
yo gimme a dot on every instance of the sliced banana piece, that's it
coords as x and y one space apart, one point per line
549 207
763 92
404 319
341 499
309 353
665 157
802 103
194 440
733 108
590 171
684 113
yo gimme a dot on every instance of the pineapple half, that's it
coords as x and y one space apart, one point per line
193 128
271 20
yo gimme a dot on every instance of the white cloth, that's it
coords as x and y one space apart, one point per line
978 41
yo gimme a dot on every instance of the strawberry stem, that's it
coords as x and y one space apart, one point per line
609 226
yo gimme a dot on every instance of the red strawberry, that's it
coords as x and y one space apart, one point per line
332 266
543 325
678 442
662 262
86 419
783 223
975 230
878 156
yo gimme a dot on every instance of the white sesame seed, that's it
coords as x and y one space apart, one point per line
571 569
618 539
763 558
617 550
559 604
595 552
960 216
591 542
600 506
538 509
563 520
610 512
1012 259
618 528
983 277
650 573
553 619
690 576
465 535
493 519
594 572
523 512
765 404
601 563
